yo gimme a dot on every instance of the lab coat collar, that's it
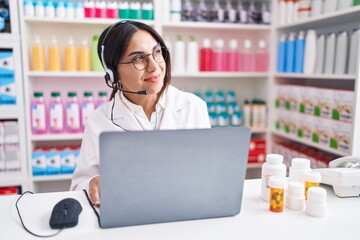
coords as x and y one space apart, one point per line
169 101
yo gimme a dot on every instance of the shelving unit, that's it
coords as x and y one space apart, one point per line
246 85
346 19
11 41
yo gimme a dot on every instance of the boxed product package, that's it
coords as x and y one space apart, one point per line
38 162
53 162
293 99
67 160
343 105
281 121
322 131
307 100
11 132
341 138
12 157
7 78
324 103
280 101
306 127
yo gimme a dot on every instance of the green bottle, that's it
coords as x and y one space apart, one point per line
124 11
95 60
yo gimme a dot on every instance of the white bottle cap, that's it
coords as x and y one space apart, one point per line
295 198
262 44
70 40
313 176
316 202
278 182
233 44
301 35
300 163
247 44
206 43
274 158
292 36
219 43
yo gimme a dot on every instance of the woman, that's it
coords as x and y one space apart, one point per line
138 68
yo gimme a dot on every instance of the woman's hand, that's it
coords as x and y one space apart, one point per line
94 191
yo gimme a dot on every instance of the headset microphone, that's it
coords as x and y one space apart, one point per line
143 92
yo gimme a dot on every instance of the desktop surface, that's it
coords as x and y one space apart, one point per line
255 221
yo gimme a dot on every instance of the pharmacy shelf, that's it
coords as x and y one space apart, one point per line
12 179
9 112
222 26
221 75
316 76
325 20
9 37
56 137
47 178
318 146
91 21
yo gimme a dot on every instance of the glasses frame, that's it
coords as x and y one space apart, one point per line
163 50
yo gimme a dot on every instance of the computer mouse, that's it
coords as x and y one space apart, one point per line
65 214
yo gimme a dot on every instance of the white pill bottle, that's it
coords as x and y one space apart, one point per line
273 166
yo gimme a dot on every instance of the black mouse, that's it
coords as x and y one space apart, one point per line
65 214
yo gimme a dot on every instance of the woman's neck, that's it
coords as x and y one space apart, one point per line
148 102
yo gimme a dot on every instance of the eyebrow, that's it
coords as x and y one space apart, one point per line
141 52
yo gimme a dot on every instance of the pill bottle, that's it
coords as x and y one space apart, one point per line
272 167
316 203
277 193
312 179
298 169
295 198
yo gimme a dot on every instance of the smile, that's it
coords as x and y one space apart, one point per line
152 79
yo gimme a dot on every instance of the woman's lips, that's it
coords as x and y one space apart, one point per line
152 79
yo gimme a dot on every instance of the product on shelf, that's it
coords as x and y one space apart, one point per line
310 52
206 55
179 55
87 107
38 55
95 61
341 53
38 114
192 56
70 56
353 53
10 190
7 78
247 56
84 56
56 113
9 147
261 57
72 113
54 55
102 98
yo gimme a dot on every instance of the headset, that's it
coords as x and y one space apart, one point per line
110 72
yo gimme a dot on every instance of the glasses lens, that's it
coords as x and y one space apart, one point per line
160 54
141 63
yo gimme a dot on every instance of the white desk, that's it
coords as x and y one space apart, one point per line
255 221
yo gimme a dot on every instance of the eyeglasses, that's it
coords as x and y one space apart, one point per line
141 61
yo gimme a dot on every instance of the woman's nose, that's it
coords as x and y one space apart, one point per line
152 64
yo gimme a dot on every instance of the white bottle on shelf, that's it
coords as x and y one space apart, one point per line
70 9
310 52
39 9
29 8
282 12
320 54
192 62
179 55
50 9
289 11
341 53
353 58
175 12
343 4
60 10
330 53
330 5
316 7
79 10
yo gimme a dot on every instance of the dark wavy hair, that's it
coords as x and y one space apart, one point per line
117 41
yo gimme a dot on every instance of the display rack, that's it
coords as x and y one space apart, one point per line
337 21
16 112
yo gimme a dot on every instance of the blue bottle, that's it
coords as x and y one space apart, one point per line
290 53
299 52
281 64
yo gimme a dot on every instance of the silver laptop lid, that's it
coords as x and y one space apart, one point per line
171 175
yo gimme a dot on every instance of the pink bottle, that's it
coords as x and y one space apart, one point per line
56 113
219 56
248 57
232 57
100 9
72 113
102 98
89 8
206 56
112 9
261 57
38 114
87 107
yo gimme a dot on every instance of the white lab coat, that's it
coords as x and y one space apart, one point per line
181 111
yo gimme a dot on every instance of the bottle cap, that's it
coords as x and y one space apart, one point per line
102 94
70 40
313 176
316 202
247 44
300 163
55 94
296 189
179 38
192 38
233 44
72 94
277 182
88 94
206 43
262 44
317 194
274 158
219 43
38 94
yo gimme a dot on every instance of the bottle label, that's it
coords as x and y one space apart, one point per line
38 117
87 109
56 117
72 116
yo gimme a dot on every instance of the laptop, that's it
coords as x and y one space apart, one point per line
171 175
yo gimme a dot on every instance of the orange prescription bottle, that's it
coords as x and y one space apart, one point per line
54 56
84 56
70 56
312 179
277 193
38 55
